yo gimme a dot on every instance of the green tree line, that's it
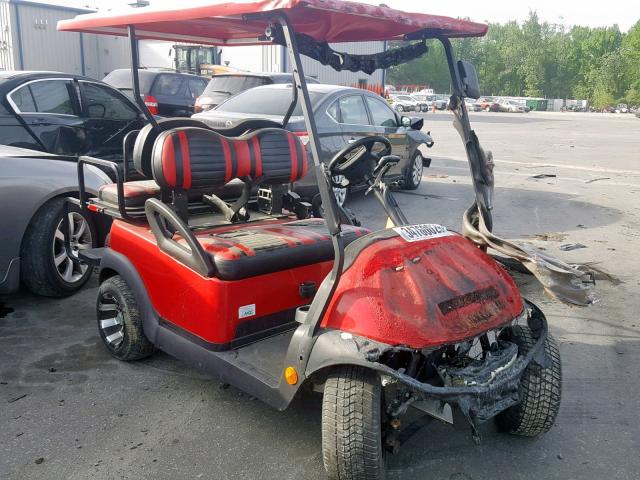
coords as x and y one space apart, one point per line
540 59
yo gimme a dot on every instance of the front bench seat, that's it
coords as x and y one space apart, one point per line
260 249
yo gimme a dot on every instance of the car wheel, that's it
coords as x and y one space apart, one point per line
400 108
46 269
487 109
340 193
413 174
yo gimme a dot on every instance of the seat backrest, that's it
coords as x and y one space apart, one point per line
190 157
143 147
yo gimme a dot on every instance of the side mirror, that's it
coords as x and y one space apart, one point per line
469 79
416 123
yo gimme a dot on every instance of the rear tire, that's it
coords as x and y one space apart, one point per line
45 267
352 425
119 321
400 108
540 389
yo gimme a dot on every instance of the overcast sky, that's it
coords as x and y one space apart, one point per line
569 12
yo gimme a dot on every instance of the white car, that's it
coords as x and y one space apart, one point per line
405 103
511 106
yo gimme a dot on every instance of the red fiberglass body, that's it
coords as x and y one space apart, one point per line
423 293
209 307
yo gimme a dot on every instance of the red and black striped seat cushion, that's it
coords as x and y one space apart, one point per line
187 158
250 250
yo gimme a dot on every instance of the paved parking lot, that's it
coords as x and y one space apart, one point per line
70 411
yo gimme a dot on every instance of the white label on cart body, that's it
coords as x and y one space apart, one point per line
247 311
423 231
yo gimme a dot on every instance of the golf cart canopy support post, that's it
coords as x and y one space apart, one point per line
135 61
135 81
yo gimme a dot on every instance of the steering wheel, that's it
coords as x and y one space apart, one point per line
342 162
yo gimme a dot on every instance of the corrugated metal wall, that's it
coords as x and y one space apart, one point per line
43 47
6 41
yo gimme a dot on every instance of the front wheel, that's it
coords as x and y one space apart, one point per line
400 108
352 425
46 268
413 174
539 390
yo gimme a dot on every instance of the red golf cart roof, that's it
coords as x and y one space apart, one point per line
221 22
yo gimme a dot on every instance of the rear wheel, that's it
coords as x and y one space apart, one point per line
352 425
539 390
119 321
400 108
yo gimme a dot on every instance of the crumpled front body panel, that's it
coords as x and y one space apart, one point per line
423 293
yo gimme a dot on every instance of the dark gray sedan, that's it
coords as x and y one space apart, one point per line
343 115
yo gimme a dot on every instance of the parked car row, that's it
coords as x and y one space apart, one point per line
417 102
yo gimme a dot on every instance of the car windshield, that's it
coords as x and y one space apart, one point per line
406 98
420 98
270 101
232 84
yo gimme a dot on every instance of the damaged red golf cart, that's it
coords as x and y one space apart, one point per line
394 326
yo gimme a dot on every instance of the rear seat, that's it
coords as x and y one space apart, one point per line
188 158
138 191
135 193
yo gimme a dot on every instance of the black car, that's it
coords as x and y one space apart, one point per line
225 85
167 94
343 115
65 114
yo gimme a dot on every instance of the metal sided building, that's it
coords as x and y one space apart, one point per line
29 39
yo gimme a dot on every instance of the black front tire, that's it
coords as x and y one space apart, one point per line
120 323
42 248
539 390
352 425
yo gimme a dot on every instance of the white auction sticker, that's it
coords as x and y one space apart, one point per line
413 233
247 311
